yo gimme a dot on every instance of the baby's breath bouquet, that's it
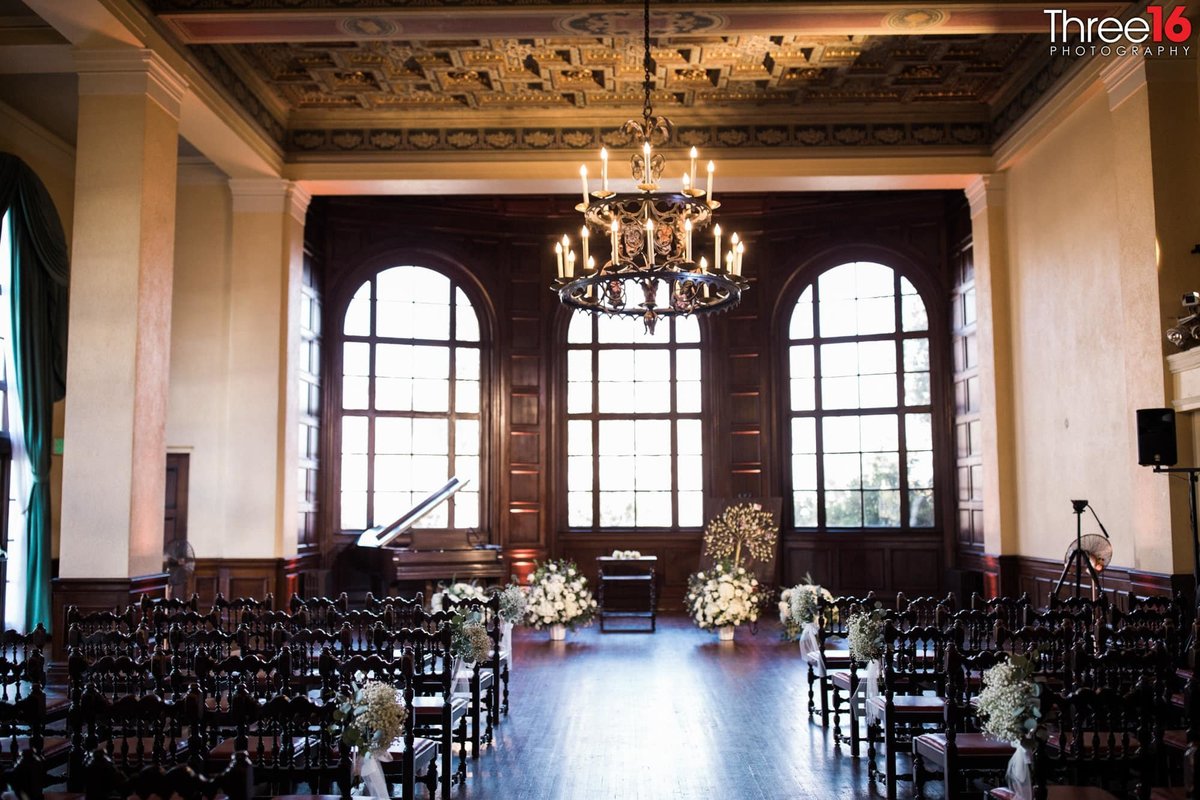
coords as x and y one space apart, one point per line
724 595
372 717
514 603
558 595
470 640
798 606
1010 709
865 636
742 525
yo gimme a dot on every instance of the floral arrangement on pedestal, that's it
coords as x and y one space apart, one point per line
457 592
559 598
371 717
723 597
1010 710
727 594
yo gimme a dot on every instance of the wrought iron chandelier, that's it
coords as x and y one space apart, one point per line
653 271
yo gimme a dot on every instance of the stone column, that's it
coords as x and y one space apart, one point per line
120 318
264 334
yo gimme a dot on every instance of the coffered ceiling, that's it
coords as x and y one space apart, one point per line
348 78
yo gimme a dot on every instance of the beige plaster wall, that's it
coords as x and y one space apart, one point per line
199 349
1086 339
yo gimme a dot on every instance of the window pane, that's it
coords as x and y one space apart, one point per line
356 358
429 472
616 398
881 509
579 438
431 436
466 398
877 391
687 365
918 432
920 470
392 435
842 471
354 472
614 330
653 472
804 509
801 324
579 331
803 394
652 398
466 437
579 397
912 308
654 509
804 472
653 365
691 509
916 389
358 313
617 472
354 434
691 473
689 437
354 510
466 364
579 474
431 321
394 320
687 330
393 394
616 509
688 400
579 365
434 395
880 470
920 508
616 365
466 510
467 320
804 435
916 355
843 509
801 362
355 392
579 509
841 434
877 358
880 432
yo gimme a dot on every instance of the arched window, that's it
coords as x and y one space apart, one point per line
634 454
411 387
861 425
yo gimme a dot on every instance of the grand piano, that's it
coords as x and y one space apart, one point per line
400 559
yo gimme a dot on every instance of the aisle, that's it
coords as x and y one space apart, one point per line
668 716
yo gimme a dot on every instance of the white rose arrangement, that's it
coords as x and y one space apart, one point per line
457 592
558 595
724 595
626 554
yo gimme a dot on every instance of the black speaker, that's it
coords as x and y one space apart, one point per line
1156 437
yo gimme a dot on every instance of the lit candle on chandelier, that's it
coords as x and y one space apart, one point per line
583 180
616 255
558 254
692 169
604 168
687 229
737 262
686 183
571 263
650 242
729 263
711 169
646 162
716 246
704 271
583 234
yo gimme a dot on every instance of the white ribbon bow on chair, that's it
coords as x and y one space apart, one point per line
1019 778
371 771
809 644
870 688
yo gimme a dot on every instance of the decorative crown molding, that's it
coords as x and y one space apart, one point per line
1122 78
269 196
986 191
130 71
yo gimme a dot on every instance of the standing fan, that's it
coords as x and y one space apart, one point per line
1096 548
179 562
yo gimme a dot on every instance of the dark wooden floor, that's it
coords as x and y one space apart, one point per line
666 716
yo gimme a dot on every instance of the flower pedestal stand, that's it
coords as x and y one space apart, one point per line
725 633
558 632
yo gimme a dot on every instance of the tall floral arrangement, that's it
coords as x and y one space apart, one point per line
558 595
742 526
724 595
1010 710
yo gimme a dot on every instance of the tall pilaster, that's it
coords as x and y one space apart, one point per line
120 319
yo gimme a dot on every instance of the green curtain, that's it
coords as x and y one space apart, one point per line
39 312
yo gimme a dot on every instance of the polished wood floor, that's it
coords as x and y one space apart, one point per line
673 715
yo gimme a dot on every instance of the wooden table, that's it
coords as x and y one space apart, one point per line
627 590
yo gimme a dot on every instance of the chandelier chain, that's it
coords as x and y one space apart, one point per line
647 85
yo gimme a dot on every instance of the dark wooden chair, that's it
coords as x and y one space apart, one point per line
100 643
320 611
924 612
483 678
832 618
438 713
105 781
228 614
912 699
961 751
23 727
413 757
135 731
1012 612
1101 745
843 686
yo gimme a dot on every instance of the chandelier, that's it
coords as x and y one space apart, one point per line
653 269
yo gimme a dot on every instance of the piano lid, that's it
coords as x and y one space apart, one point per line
380 535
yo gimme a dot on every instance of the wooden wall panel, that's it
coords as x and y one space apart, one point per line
504 244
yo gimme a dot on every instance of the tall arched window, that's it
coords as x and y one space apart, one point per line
861 424
411 387
634 454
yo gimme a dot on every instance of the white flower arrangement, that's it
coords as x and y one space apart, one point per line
724 595
558 595
372 717
460 591
626 554
798 606
865 636
470 640
1009 705
514 603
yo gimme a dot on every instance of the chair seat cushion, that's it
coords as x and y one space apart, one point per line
224 750
1168 793
969 745
1176 739
841 679
840 658
1059 793
429 709
911 705
52 747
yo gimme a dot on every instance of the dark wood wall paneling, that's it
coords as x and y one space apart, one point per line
505 245
1014 575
